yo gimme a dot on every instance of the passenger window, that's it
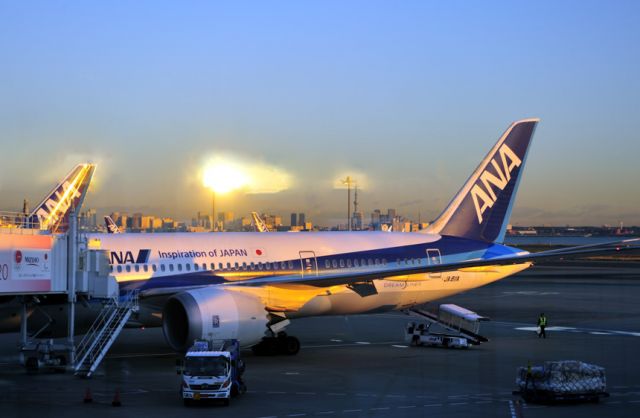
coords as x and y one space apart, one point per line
244 265
363 262
267 266
145 268
111 268
153 267
290 265
228 266
252 266
128 268
341 263
162 267
384 261
187 267
236 265
136 268
170 267
179 266
334 263
356 263
327 264
370 261
275 266
377 261
348 262
119 269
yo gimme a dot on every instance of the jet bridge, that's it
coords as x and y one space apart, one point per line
36 263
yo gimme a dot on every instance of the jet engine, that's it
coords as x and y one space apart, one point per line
214 314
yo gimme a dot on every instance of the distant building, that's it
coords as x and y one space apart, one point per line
301 219
294 220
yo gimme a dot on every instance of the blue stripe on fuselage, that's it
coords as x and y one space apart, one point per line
452 250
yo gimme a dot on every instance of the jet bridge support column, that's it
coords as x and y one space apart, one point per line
72 262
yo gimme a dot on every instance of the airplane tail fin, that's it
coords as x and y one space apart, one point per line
53 212
482 207
112 228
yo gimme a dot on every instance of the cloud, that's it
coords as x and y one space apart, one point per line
225 172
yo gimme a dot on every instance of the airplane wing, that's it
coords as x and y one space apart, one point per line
355 275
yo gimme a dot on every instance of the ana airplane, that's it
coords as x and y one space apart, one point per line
111 226
247 285
258 223
52 213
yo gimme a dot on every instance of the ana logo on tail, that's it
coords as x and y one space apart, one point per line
482 192
56 206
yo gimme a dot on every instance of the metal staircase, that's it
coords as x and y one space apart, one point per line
103 333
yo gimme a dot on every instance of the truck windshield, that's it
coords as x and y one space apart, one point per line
205 366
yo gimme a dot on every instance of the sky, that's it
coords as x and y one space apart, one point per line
406 97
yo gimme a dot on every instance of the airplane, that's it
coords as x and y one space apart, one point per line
249 286
259 223
111 226
52 213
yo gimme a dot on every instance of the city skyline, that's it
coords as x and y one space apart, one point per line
406 99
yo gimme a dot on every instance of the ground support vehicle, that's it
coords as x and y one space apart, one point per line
212 370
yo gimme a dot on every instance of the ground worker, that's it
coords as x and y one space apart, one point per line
529 377
542 324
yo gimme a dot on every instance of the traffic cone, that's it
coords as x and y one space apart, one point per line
116 399
87 396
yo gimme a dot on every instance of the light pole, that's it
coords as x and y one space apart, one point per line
348 181
213 210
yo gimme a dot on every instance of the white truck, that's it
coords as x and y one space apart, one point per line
211 370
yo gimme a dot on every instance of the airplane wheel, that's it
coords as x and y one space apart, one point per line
291 346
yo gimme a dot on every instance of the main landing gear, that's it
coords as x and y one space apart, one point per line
278 345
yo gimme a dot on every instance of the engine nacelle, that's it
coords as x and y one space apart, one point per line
213 314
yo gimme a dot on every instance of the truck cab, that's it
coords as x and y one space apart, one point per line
211 370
